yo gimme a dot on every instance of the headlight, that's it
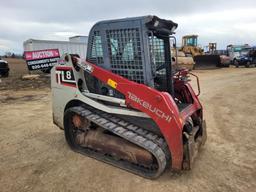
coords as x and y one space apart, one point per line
174 28
156 23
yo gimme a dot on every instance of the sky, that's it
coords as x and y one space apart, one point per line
223 22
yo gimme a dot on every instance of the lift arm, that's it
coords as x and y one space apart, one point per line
160 106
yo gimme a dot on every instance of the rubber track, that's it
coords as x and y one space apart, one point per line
143 138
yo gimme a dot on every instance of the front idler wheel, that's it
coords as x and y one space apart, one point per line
74 125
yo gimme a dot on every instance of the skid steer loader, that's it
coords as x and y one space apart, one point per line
125 105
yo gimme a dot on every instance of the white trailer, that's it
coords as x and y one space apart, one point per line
69 47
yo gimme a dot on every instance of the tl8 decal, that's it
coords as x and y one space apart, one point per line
65 76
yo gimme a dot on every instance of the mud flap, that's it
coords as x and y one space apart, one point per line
192 146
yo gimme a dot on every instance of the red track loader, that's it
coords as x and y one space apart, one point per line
125 104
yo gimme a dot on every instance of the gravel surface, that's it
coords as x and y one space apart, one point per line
35 157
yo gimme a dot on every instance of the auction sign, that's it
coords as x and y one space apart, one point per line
41 59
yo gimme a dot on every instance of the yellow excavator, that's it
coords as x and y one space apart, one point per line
190 48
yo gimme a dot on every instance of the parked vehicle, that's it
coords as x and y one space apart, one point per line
201 59
252 54
4 68
225 60
239 55
247 59
243 60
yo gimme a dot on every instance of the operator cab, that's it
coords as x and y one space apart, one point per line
189 40
136 48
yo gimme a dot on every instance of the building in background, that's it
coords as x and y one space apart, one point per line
75 45
79 39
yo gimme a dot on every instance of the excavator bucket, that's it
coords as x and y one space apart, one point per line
207 61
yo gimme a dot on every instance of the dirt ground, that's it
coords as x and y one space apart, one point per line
18 68
35 157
